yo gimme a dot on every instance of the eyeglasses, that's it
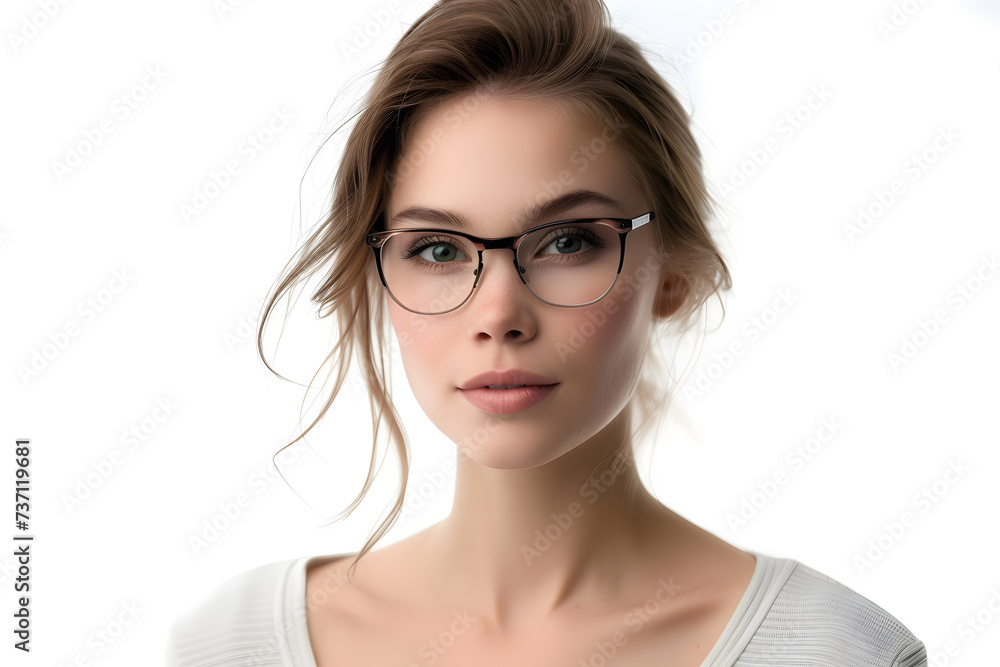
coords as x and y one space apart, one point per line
569 263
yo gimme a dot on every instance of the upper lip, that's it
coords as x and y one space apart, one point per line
514 376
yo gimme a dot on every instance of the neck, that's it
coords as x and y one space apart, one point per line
519 544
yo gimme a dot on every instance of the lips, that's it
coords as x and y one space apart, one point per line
515 377
507 401
507 392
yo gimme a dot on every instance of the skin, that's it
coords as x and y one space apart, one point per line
550 605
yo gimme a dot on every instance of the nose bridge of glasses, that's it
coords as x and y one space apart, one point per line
504 247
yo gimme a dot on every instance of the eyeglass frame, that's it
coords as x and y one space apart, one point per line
376 240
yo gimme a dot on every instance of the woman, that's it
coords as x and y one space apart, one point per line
523 200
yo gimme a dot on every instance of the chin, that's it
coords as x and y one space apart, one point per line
503 446
500 456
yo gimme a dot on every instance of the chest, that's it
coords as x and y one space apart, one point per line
342 638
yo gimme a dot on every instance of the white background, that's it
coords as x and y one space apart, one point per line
177 330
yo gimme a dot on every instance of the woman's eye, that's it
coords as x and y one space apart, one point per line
440 252
571 241
565 245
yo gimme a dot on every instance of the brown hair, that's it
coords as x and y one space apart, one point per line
562 50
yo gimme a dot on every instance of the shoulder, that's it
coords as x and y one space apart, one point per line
239 620
816 619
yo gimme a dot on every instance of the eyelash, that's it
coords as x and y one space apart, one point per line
552 236
425 242
587 236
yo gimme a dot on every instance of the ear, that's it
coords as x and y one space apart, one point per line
671 295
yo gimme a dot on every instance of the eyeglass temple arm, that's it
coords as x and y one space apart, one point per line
641 220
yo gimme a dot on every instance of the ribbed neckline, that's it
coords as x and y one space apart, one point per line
769 575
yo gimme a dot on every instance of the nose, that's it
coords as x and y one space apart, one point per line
501 306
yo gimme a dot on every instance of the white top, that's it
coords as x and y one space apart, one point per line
789 614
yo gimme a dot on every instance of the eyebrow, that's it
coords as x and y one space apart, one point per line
523 221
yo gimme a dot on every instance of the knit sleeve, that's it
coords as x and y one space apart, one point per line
816 620
233 625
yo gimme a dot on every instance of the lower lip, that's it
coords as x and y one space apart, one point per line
507 401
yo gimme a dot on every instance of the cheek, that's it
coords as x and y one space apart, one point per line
410 328
424 352
607 341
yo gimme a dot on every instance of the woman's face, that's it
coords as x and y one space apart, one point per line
490 161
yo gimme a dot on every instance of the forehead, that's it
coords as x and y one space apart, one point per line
490 159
